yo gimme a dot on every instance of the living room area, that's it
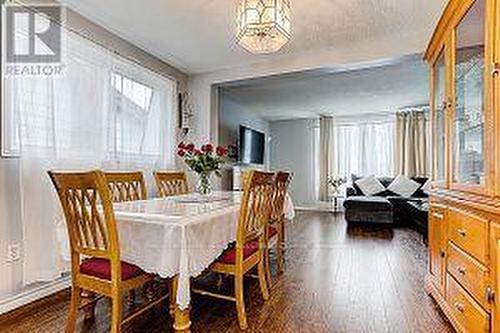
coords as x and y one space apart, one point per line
356 139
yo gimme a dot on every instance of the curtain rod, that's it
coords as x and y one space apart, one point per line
113 50
361 115
420 106
365 122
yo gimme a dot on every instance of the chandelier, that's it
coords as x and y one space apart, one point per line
263 25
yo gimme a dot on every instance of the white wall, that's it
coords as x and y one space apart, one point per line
231 116
10 226
294 149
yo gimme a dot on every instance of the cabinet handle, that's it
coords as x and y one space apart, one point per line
448 103
442 253
490 294
438 216
461 270
496 69
461 232
460 307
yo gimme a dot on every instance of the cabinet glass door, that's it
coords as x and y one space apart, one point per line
439 118
468 147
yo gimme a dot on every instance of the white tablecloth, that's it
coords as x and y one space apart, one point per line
179 235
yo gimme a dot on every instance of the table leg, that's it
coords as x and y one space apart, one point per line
173 295
182 322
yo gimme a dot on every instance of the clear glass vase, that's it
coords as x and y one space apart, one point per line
204 186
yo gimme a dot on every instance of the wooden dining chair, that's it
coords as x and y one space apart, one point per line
276 229
244 176
94 245
170 183
126 186
248 250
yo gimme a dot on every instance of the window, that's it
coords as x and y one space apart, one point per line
135 118
135 92
102 108
364 149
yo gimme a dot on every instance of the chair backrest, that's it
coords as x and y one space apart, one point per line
255 206
90 219
126 186
171 183
280 190
244 176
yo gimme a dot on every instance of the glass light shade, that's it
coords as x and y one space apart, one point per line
263 25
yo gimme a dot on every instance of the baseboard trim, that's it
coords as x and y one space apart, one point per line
33 294
317 209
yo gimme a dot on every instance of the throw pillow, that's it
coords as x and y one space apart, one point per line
426 187
370 185
404 186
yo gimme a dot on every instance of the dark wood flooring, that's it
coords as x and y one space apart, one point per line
337 279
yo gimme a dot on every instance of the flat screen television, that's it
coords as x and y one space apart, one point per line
252 145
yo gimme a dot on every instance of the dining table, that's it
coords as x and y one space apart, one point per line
179 237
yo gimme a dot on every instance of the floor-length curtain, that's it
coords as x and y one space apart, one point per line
326 155
412 156
83 120
61 125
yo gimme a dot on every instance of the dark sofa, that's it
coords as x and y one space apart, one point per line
387 207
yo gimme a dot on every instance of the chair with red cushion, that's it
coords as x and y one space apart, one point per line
248 251
86 201
276 228
126 186
101 268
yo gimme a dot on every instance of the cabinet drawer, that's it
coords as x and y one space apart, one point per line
467 313
471 275
469 232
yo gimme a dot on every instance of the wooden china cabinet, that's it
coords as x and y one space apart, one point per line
464 212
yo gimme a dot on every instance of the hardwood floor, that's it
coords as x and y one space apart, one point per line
337 279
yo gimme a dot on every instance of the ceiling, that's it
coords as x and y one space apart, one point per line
197 36
383 88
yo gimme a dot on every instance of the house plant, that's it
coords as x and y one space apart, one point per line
335 183
204 160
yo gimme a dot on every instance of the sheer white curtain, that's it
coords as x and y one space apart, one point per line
141 128
327 156
82 120
364 148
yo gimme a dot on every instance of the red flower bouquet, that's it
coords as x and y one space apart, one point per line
204 160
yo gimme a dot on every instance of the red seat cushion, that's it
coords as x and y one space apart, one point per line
101 268
272 231
229 256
